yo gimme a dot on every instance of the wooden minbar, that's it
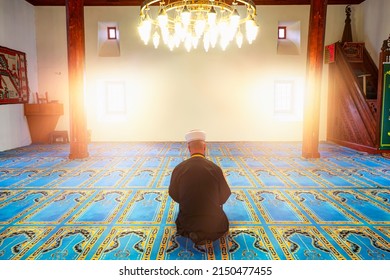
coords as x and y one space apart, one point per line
42 120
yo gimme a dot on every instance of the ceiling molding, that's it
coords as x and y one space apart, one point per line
138 2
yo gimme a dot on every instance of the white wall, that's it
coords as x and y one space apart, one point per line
376 25
53 57
229 94
17 31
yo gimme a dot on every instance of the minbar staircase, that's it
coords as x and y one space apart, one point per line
355 93
353 98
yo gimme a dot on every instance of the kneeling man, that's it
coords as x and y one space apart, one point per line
200 188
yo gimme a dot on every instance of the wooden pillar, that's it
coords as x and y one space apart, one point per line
76 69
315 51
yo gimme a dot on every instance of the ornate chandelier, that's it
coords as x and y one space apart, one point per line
190 22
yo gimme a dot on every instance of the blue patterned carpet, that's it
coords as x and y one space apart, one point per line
115 204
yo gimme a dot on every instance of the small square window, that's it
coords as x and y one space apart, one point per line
111 33
115 98
284 97
282 32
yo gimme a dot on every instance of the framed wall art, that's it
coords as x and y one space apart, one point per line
13 77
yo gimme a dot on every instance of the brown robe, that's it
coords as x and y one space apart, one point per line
200 188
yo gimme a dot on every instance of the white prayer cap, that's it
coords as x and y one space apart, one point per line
195 134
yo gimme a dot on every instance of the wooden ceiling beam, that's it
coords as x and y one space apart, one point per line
138 2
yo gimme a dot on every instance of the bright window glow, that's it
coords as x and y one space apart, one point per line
115 98
282 32
111 33
284 97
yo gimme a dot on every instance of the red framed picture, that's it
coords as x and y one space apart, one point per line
330 53
13 76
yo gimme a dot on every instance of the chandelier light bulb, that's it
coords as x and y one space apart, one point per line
178 28
185 16
213 34
171 44
162 18
206 46
145 28
156 39
165 35
188 43
195 41
224 43
176 40
223 27
239 39
212 16
206 41
200 25
235 19
251 29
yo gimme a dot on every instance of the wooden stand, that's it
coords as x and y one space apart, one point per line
42 120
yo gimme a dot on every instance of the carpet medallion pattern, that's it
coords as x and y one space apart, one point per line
115 205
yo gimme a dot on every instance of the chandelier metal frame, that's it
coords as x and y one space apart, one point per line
223 9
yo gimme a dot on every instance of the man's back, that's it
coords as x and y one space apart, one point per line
198 185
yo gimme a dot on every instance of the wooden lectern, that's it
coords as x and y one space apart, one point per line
42 120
